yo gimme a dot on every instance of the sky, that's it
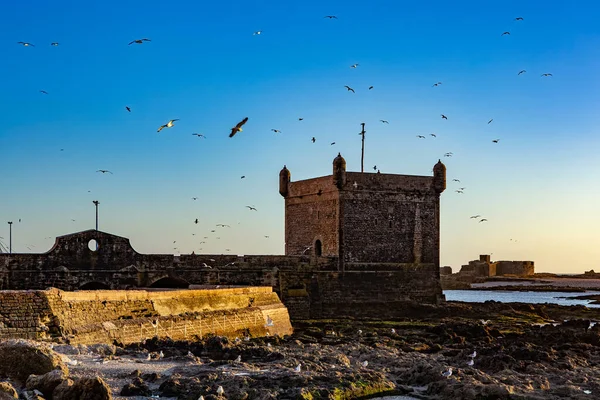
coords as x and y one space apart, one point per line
538 187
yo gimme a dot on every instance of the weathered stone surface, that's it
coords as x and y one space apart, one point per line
46 383
21 358
8 391
84 388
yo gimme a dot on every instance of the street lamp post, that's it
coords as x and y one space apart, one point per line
9 237
96 202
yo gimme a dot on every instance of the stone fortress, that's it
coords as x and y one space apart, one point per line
358 245
484 267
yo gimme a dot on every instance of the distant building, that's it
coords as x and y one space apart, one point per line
485 267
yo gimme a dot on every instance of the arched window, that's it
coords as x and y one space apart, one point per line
318 248
170 282
94 286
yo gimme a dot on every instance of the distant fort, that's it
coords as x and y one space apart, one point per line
357 245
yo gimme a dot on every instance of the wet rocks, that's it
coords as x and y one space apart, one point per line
21 358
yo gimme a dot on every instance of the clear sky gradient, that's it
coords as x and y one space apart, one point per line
539 185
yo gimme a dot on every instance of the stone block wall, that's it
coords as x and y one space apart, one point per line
126 316
520 268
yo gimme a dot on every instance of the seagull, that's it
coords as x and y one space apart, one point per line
459 191
104 171
470 362
521 72
474 354
54 44
384 121
475 216
238 359
587 391
364 363
26 44
43 91
194 198
432 134
447 154
220 390
448 373
127 108
269 321
224 225
167 125
490 121
421 136
354 66
462 188
276 130
199 135
519 19
266 236
300 119
298 368
313 139
374 167
483 220
139 41
505 33
238 127
370 87
546 74
243 176
330 17
349 89
360 331
196 221
495 140
455 180
257 33
444 117
332 143
251 208
436 84
393 330
485 321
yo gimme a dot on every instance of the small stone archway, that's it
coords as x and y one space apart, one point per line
170 282
94 285
318 248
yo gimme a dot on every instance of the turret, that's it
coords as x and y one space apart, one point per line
339 171
284 180
439 177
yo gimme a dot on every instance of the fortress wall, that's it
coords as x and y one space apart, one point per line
520 268
104 316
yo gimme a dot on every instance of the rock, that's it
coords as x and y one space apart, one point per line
85 388
32 395
66 349
46 383
136 388
21 358
102 349
172 387
7 391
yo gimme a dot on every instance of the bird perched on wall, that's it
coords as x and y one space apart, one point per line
365 364
169 124
238 359
139 41
238 127
220 391
269 321
448 373
349 89
298 368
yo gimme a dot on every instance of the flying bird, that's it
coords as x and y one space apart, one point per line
475 216
432 134
194 198
370 87
374 167
313 140
462 188
251 208
257 33
54 44
300 119
455 180
444 117
139 41
26 44
199 135
546 74
459 191
519 19
349 89
505 33
167 125
495 140
354 66
104 171
436 84
490 121
421 136
483 220
43 91
384 121
521 72
224 225
448 154
196 221
332 143
238 127
276 130
243 176
127 108
330 17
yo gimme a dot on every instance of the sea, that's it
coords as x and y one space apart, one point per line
560 298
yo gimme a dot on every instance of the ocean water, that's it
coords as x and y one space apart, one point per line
560 298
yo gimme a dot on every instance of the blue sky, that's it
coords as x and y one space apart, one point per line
538 185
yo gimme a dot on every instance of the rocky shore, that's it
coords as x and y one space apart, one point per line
518 351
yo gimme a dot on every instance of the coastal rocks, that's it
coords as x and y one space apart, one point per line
7 391
46 383
136 388
21 358
83 388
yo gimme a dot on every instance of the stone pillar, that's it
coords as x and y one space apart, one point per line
418 236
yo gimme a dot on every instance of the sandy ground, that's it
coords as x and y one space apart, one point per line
592 284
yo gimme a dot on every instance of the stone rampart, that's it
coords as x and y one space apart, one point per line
106 316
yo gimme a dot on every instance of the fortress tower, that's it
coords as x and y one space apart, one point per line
364 218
